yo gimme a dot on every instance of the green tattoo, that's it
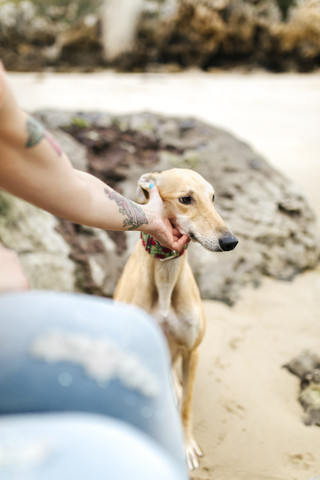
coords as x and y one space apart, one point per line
35 132
135 215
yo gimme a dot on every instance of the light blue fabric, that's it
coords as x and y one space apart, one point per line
82 447
64 352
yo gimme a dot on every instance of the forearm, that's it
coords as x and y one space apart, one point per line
109 210
48 181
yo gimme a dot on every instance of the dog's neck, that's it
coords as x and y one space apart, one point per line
157 251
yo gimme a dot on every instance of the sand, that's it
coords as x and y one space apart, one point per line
247 417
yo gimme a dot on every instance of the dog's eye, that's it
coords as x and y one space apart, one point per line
185 200
213 198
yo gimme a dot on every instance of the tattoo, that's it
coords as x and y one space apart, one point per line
37 132
135 215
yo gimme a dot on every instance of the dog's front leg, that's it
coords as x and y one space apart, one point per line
189 366
166 275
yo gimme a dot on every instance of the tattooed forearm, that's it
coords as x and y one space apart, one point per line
37 132
135 216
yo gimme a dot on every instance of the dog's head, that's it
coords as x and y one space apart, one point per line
189 204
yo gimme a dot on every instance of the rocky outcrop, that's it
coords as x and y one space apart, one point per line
306 367
34 36
279 35
269 215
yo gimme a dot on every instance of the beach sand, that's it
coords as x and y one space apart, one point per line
247 417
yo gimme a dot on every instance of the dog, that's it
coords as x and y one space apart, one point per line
161 282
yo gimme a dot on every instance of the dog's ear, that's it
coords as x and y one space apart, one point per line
143 186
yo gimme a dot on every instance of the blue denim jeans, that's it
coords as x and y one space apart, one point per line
85 390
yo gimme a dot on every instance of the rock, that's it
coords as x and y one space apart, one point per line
79 45
42 251
276 34
307 367
310 396
269 215
58 255
22 35
310 400
75 151
304 364
96 256
34 36
154 34
298 39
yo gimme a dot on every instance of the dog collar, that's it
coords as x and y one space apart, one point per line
156 250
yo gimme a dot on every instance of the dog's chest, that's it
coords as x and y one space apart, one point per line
179 318
181 330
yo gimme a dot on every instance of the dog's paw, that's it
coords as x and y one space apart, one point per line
193 451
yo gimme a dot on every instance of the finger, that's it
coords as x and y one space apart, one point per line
176 233
180 243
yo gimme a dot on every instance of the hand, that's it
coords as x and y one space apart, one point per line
159 225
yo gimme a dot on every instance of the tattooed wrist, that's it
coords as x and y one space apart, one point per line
135 216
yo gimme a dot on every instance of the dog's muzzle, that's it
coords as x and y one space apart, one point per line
228 242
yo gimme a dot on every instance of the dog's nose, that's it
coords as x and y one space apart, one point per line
228 242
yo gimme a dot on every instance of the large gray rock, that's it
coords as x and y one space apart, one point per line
273 221
31 232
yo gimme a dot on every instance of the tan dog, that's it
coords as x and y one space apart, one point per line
167 289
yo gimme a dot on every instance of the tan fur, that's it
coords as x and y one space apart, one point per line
167 290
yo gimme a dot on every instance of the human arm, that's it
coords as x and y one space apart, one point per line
34 168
